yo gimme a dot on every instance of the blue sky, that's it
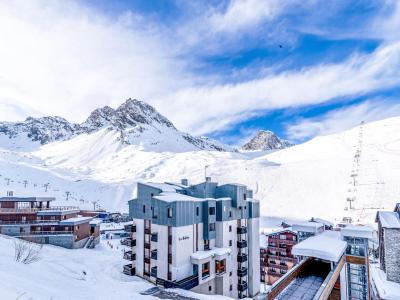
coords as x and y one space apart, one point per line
219 68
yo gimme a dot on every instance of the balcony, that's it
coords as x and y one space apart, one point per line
147 231
146 245
129 270
128 255
242 244
242 286
147 260
37 209
279 241
170 258
184 284
154 254
128 242
130 228
276 266
153 272
154 237
242 230
241 258
241 272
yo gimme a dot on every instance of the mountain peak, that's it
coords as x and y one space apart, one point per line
265 140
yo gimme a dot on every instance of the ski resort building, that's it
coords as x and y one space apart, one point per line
276 256
202 237
389 242
334 265
307 229
34 219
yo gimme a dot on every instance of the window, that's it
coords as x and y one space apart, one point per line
169 212
197 211
211 211
53 228
220 266
210 288
144 208
282 237
212 227
230 228
206 245
230 287
230 273
230 214
230 243
154 213
244 196
205 270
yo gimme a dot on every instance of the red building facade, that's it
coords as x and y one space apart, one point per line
276 256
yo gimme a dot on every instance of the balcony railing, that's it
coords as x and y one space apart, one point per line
242 258
128 255
242 244
36 209
146 245
242 286
128 242
147 231
241 230
34 232
45 222
185 284
130 228
241 272
279 241
129 270
276 266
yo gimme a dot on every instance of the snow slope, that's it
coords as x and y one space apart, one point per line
60 275
311 179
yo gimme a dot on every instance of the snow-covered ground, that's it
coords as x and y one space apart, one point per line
388 290
311 179
81 274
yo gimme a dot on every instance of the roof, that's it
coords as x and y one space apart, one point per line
322 221
327 245
358 231
199 255
26 199
171 197
307 226
165 187
96 221
76 221
281 230
388 219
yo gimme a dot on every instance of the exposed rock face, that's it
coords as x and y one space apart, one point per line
131 119
265 140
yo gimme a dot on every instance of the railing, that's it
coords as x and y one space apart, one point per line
282 258
128 255
146 245
241 272
276 266
241 230
242 244
128 242
185 284
129 270
242 286
242 258
29 222
37 209
130 228
147 231
282 241
45 233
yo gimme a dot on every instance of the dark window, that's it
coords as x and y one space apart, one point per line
230 287
209 288
212 227
169 212
230 214
212 211
151 194
230 243
197 211
244 197
144 208
230 228
230 273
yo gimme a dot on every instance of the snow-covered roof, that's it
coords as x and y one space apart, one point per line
165 187
280 230
200 255
76 221
388 219
171 197
307 226
327 245
358 231
389 290
26 199
322 221
96 221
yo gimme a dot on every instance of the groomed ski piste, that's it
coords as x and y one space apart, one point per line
300 182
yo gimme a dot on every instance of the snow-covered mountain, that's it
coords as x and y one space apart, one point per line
137 123
265 140
302 181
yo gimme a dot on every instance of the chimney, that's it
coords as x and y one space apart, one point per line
184 182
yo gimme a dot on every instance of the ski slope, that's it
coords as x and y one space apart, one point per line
310 179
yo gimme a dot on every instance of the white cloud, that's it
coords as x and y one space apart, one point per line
243 14
343 118
213 107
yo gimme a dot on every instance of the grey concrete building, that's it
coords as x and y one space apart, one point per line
202 237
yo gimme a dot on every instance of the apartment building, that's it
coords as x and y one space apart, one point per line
34 219
276 256
202 237
389 242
